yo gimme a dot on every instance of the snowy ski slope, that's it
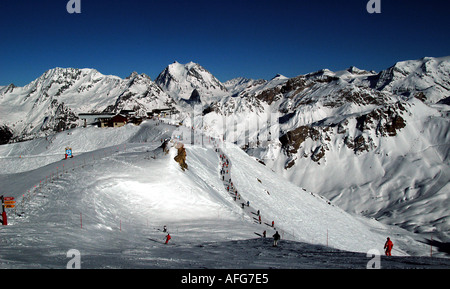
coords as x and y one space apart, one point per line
111 201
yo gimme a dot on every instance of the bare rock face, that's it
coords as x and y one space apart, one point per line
181 157
5 135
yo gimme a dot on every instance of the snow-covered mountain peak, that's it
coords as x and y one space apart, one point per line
236 81
320 74
6 89
356 71
66 78
427 79
242 86
279 77
180 80
139 76
133 74
53 101
58 73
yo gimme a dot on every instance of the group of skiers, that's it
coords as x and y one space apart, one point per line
276 237
228 183
230 188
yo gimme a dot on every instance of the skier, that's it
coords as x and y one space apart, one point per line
264 234
165 229
260 219
168 238
273 223
388 247
276 237
248 203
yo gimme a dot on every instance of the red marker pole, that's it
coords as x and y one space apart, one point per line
4 217
5 221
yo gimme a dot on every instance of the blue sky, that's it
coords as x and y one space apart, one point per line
254 39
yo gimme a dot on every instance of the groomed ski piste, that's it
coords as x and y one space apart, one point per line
111 201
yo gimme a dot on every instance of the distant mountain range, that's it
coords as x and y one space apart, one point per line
53 101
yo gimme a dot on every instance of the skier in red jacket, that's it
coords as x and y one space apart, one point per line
168 238
388 247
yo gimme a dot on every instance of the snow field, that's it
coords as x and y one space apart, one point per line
132 191
112 202
25 156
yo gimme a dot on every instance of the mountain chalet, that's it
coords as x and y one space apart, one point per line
123 117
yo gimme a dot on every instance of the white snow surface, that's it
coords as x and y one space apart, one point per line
111 201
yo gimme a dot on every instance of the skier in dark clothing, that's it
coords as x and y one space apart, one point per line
276 237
